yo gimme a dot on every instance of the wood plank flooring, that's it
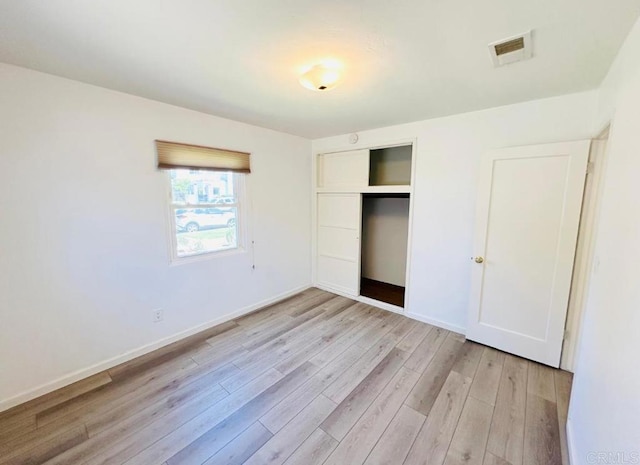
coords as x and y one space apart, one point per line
315 379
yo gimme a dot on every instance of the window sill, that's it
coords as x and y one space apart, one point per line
205 256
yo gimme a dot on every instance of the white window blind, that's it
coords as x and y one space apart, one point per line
174 155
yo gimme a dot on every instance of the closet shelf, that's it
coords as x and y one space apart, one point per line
366 189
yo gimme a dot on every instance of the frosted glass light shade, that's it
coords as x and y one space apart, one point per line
320 78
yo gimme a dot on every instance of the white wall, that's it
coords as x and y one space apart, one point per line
84 254
448 155
385 230
604 415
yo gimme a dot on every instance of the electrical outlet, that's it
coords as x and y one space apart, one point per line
157 315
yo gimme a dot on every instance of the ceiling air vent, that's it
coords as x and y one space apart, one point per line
511 49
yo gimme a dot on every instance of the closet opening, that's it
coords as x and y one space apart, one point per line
390 166
385 231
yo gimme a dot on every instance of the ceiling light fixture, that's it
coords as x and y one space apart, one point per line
321 77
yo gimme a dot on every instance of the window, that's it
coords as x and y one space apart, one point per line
206 186
205 211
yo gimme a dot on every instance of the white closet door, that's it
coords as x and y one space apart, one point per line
339 242
344 169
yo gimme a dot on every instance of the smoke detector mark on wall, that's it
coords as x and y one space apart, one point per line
511 49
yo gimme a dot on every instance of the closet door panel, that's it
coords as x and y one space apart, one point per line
338 274
338 245
345 169
339 210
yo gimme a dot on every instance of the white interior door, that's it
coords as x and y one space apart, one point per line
339 223
527 222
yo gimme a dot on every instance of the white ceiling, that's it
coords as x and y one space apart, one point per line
404 60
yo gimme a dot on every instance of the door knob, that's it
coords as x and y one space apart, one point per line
478 259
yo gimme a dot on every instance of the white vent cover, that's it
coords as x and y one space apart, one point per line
511 49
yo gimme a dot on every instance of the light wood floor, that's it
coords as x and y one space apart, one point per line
316 379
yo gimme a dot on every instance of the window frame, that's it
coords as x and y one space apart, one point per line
239 189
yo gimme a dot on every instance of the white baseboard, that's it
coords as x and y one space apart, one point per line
396 309
382 305
130 355
573 455
438 323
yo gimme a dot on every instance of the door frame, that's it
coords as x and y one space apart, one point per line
585 249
